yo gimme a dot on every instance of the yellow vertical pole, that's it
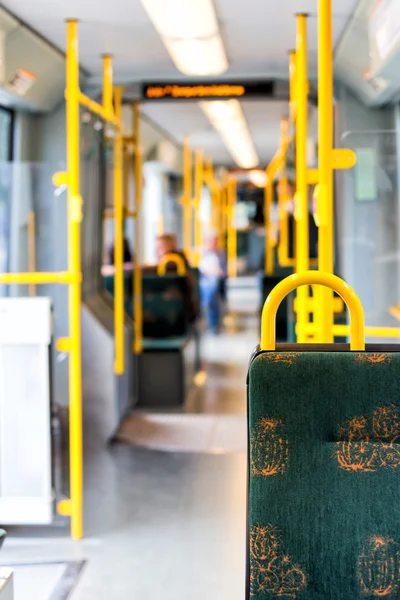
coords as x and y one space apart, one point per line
324 305
220 216
269 248
74 289
126 180
292 84
232 239
197 204
137 273
119 364
107 84
187 198
301 199
283 221
32 249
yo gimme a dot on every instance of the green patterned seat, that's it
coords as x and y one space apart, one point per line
324 473
324 431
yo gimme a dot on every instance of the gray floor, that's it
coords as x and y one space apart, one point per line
161 525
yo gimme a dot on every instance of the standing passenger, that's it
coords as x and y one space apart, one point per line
212 273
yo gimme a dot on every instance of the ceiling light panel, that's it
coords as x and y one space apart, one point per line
190 32
228 119
198 57
182 19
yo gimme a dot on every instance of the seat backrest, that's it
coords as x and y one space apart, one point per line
324 473
128 290
164 305
165 302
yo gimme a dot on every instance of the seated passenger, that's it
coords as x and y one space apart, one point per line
127 259
211 274
167 244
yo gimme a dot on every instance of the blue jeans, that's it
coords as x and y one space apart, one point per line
210 299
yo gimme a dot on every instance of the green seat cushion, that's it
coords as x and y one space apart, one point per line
170 343
324 475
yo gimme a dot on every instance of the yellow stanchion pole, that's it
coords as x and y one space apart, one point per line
283 247
126 182
269 247
137 272
187 198
232 238
220 217
107 84
301 198
199 180
75 507
292 85
324 307
119 317
32 249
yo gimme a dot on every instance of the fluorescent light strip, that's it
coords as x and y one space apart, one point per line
258 178
228 119
190 32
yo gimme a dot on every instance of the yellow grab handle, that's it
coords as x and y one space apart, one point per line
292 282
175 258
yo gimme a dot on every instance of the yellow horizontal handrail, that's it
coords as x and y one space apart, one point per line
174 258
308 278
344 331
40 278
128 214
98 109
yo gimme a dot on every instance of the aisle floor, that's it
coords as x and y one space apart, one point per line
158 524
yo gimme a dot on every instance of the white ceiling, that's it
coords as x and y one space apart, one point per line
263 119
257 36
